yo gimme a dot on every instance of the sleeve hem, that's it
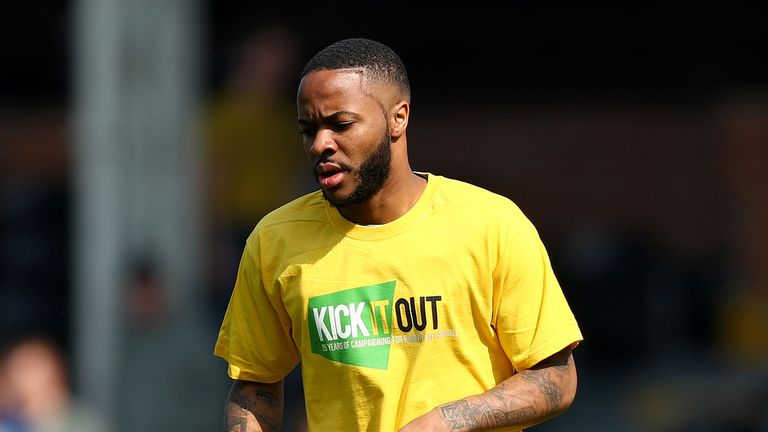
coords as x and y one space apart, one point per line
571 339
240 373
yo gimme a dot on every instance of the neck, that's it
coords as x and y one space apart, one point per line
398 195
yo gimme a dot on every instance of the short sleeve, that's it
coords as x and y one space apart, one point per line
255 335
533 319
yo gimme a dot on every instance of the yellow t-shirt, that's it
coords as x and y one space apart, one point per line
392 320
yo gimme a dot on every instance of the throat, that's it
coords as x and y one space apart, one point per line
389 204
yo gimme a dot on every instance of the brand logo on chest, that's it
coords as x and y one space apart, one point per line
355 326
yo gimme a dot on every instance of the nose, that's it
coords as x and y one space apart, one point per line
323 144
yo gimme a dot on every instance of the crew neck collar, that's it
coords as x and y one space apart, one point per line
389 229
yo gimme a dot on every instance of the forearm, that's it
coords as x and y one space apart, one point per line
520 401
254 407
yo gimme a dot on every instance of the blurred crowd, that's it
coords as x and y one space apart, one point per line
36 393
674 326
253 162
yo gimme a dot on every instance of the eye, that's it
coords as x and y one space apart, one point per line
340 127
306 130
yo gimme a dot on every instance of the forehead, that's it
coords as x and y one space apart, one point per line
333 89
332 81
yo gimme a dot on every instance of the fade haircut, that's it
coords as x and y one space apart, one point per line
379 62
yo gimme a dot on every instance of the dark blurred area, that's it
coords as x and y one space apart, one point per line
635 138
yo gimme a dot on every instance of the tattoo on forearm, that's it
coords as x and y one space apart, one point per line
521 415
463 415
547 381
510 403
547 386
460 415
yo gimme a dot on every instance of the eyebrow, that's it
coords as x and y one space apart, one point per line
331 117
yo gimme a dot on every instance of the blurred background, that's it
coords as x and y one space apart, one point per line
141 141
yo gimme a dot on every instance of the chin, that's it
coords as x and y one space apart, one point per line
335 198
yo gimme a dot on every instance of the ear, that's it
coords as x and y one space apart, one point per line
398 120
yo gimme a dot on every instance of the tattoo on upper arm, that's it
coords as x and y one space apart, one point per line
247 399
244 402
236 418
242 399
236 424
264 397
268 398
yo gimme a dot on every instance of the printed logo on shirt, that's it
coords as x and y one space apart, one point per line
355 326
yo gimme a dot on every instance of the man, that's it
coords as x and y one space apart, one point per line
413 301
35 390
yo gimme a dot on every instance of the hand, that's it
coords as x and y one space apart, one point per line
429 422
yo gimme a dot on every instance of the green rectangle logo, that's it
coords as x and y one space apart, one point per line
353 326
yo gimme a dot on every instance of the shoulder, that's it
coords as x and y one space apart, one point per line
293 230
479 203
305 208
304 213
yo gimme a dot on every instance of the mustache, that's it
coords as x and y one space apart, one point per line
342 165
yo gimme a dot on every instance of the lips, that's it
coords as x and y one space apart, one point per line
329 174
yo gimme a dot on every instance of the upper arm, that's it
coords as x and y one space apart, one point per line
254 406
533 319
255 336
248 393
562 360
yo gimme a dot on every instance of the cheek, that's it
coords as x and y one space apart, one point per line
363 143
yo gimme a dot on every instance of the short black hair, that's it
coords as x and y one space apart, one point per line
379 61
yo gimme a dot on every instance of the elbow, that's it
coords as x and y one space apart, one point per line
569 395
569 384
562 405
557 381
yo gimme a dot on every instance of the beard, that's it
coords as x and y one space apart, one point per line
371 175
